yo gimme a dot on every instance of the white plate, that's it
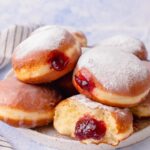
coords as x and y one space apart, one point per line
49 137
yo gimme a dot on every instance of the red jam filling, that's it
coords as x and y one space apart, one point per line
58 60
88 127
84 83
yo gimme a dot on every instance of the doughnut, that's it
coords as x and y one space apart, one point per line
65 85
25 105
143 109
127 44
45 56
92 122
78 35
112 77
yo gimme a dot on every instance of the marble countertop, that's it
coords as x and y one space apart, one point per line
97 18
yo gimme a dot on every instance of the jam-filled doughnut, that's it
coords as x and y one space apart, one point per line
79 35
46 56
92 122
26 105
127 44
112 77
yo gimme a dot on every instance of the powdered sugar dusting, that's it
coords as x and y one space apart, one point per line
89 103
114 69
125 43
92 104
45 40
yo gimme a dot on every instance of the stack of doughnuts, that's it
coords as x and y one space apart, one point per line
102 88
113 80
46 55
27 94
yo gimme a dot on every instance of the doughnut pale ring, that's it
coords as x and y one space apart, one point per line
46 56
112 77
26 105
92 122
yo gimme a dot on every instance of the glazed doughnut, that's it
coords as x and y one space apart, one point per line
79 35
112 77
92 122
25 105
127 44
46 56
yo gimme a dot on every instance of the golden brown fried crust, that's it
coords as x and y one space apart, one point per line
135 89
124 120
16 94
48 77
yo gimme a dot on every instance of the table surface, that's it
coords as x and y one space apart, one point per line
97 18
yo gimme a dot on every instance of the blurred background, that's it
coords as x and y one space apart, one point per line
97 18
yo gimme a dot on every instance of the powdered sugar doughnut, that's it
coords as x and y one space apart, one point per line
92 122
112 77
46 56
127 44
26 105
143 109
79 35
